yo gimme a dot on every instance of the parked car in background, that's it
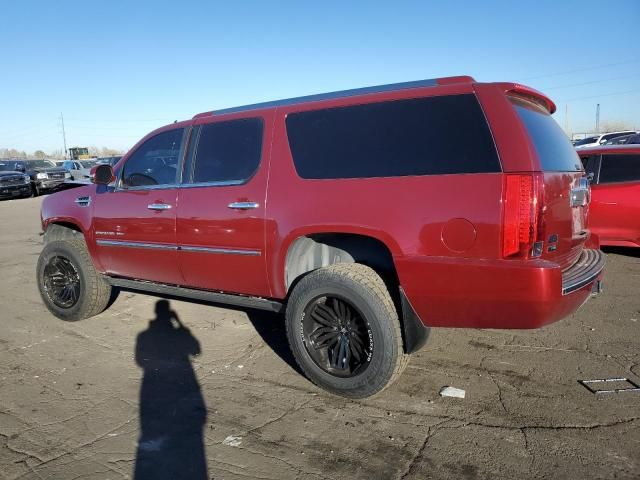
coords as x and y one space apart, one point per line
13 183
597 140
614 214
360 213
79 169
109 160
44 174
621 140
633 139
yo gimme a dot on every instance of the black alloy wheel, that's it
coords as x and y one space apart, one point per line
337 337
61 282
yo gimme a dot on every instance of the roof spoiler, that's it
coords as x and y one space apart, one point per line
531 93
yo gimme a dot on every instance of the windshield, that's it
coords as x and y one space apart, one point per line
87 163
585 141
554 149
39 164
7 167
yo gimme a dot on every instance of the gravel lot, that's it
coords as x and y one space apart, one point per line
73 403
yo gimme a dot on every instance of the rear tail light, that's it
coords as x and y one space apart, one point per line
522 204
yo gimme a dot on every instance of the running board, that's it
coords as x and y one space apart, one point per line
204 295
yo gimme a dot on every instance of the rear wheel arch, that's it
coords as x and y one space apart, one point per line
321 249
313 251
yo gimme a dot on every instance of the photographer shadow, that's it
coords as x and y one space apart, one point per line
172 409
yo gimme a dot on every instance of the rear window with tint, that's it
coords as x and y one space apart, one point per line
554 149
619 168
425 136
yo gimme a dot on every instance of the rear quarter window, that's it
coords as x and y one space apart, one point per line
424 136
553 147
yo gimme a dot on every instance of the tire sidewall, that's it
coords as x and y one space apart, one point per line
63 249
382 363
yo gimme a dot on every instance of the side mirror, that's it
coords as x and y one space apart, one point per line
102 174
590 176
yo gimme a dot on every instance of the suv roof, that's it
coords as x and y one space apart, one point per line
627 148
391 87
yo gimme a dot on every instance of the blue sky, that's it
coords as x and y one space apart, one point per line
119 69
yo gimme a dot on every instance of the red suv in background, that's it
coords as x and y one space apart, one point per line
370 215
614 214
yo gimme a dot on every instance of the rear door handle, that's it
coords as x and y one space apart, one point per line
243 205
158 206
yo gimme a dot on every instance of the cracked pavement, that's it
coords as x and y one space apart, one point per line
70 393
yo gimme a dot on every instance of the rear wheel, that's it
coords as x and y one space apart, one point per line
69 284
344 331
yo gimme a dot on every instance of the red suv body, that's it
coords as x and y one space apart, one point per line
465 197
614 214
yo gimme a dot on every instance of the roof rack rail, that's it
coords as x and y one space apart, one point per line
432 82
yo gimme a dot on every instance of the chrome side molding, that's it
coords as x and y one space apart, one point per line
231 251
185 248
122 243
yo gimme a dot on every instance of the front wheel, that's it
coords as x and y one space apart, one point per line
69 284
344 331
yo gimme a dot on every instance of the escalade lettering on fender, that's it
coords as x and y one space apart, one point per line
367 216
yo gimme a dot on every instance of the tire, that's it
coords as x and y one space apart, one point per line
361 289
92 292
35 191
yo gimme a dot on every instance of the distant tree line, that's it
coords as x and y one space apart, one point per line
56 154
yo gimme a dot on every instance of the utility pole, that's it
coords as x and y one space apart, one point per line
598 118
64 136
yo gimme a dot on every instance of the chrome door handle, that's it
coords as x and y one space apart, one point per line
243 205
158 206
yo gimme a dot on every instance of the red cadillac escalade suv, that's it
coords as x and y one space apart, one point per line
367 215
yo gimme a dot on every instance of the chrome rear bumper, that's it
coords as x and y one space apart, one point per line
586 269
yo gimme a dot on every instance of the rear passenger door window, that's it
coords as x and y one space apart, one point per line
619 168
227 152
155 162
424 136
